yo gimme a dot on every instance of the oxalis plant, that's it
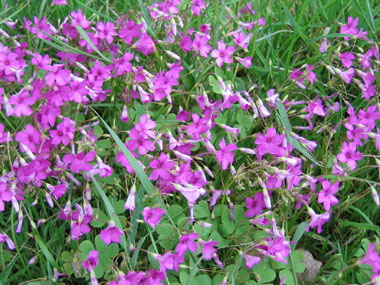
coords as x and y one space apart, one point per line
189 142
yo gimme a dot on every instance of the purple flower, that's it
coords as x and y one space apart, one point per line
111 234
372 258
80 162
22 103
92 260
5 238
208 249
200 44
223 54
271 142
153 216
347 59
326 196
350 28
349 155
162 167
106 31
187 243
30 138
255 206
198 6
225 155
317 220
5 195
251 260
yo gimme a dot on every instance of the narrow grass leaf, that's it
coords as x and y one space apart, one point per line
46 252
89 41
283 119
365 226
298 234
111 211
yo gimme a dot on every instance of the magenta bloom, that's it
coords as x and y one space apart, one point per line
251 260
225 155
223 54
372 258
30 137
162 167
5 238
22 103
317 220
5 195
255 206
111 234
350 28
200 44
208 249
198 6
187 243
347 59
80 225
80 162
167 261
106 31
92 260
271 143
349 155
153 216
346 75
326 196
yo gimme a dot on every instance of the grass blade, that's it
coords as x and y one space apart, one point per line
283 119
111 212
46 252
89 41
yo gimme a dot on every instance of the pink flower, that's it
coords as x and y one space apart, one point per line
59 75
347 59
350 28
5 238
198 6
123 64
145 44
326 196
80 20
5 195
271 143
208 249
349 155
255 206
30 138
153 216
200 44
92 260
129 31
225 155
22 103
167 261
111 234
223 54
59 2
372 258
317 220
251 260
106 31
162 167
187 243
80 162
346 75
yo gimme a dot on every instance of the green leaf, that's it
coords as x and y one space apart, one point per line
284 121
100 219
111 212
289 277
298 234
214 84
266 273
85 247
201 210
366 226
89 41
106 254
46 252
